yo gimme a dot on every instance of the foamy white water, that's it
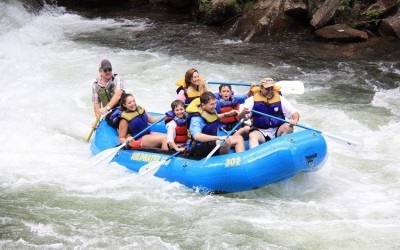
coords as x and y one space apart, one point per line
52 198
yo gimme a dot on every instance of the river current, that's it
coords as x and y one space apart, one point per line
52 198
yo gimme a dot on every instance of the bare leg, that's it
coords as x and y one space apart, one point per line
238 142
243 131
284 129
224 149
255 138
155 140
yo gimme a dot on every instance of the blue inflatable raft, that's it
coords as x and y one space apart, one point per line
273 161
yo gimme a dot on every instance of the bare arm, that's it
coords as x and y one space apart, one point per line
233 112
295 119
250 92
153 119
204 137
123 131
115 99
290 112
173 145
113 102
203 84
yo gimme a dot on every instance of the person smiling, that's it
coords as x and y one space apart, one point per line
134 119
107 89
204 124
228 104
268 101
191 87
177 134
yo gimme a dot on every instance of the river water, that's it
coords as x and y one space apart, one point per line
51 198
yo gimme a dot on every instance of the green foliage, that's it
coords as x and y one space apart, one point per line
205 6
246 5
373 14
347 4
234 4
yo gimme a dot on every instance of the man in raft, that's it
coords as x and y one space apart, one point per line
204 123
106 90
268 101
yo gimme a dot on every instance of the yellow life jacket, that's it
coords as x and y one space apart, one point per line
212 120
190 93
194 108
131 115
257 89
181 82
259 98
137 121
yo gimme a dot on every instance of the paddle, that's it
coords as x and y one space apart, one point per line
353 142
287 87
104 157
93 128
152 167
223 141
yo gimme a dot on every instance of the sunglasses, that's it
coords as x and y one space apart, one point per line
269 89
107 70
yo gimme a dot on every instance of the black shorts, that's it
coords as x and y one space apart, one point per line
267 138
202 150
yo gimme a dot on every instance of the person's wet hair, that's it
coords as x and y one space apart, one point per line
225 85
123 100
206 97
177 103
188 76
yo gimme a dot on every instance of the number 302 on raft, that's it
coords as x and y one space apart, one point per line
232 162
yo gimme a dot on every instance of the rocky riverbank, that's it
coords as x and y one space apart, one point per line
349 26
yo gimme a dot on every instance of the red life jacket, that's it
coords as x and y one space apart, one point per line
181 127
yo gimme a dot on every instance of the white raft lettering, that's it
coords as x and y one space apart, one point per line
232 162
145 157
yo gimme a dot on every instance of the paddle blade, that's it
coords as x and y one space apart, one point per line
104 157
346 140
291 87
150 168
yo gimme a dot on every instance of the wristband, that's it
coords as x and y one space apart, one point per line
108 108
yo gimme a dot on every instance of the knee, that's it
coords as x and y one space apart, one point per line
285 129
135 144
252 136
239 139
227 143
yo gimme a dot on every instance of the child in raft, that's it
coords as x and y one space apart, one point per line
229 102
175 122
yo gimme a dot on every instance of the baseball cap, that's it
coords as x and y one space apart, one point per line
267 82
105 64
